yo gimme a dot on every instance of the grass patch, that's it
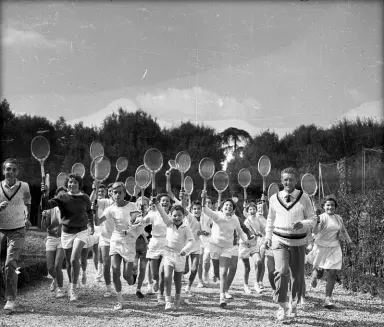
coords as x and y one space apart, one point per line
34 244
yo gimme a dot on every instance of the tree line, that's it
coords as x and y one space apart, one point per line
131 134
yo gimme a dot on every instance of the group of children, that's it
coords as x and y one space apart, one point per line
175 237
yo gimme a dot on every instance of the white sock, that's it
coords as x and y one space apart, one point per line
168 299
222 295
119 297
109 288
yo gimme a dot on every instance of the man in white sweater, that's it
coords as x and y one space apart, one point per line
14 199
290 216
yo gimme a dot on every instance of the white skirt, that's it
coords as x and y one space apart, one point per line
325 257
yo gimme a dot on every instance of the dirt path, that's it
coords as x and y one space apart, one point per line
38 307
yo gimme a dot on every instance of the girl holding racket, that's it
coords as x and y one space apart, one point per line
221 241
256 222
326 253
76 215
180 242
51 221
122 216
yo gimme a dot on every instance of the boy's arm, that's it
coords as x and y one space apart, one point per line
211 214
163 214
190 242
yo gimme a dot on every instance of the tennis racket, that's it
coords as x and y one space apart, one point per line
61 179
130 184
172 164
40 150
220 183
309 186
153 161
96 150
79 169
264 167
121 165
206 170
100 170
142 179
244 178
188 186
272 189
183 163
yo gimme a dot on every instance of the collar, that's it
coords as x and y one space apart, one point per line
80 193
293 195
5 184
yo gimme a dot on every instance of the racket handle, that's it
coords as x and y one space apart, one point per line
219 199
264 186
153 184
182 182
245 194
205 185
42 171
117 177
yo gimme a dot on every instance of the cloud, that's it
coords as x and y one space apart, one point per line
197 103
20 38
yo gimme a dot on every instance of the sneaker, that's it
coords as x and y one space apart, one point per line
118 306
328 304
60 293
200 284
187 290
156 287
84 278
292 312
314 282
247 290
107 294
161 299
281 314
53 286
261 285
10 305
150 290
139 294
223 303
73 296
228 296
257 288
168 306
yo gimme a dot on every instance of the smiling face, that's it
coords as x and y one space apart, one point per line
330 207
227 208
165 202
209 203
102 192
177 216
196 210
289 182
10 172
73 185
252 210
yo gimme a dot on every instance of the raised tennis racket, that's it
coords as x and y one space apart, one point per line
206 170
79 169
40 150
220 183
183 163
121 165
172 164
61 179
244 178
264 167
309 186
188 186
100 170
96 150
130 184
272 189
143 179
153 161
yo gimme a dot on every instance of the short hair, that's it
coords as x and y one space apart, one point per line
12 161
330 198
195 203
102 186
110 185
226 200
140 200
290 170
177 207
59 189
159 196
116 185
75 176
252 204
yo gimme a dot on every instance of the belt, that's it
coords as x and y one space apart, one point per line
292 236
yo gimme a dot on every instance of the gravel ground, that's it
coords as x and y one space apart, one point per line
38 307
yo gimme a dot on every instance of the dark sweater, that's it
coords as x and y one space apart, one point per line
75 210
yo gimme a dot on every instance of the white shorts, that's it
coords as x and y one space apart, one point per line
126 250
91 241
68 239
245 252
156 247
103 241
216 252
174 260
53 243
235 251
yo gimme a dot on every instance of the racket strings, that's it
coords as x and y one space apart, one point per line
78 169
207 168
96 150
122 163
244 178
153 159
183 162
188 184
309 184
264 166
40 147
142 178
130 184
100 168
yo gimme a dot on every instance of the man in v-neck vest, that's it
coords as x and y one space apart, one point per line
290 217
15 197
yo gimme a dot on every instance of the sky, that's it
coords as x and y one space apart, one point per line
250 65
